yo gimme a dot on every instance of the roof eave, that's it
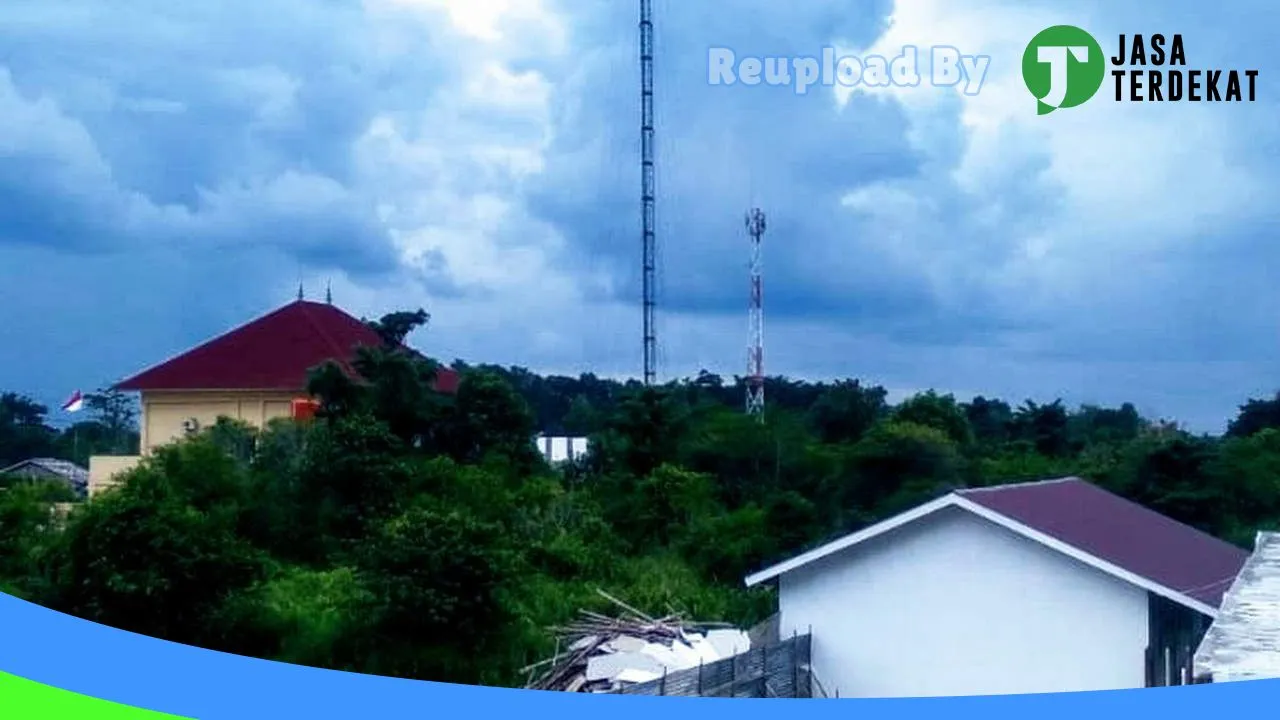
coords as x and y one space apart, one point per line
955 500
851 539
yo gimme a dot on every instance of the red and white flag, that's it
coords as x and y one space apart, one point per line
75 403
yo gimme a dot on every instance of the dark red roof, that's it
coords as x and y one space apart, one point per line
274 352
1123 533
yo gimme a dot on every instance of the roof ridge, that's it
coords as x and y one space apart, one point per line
1028 483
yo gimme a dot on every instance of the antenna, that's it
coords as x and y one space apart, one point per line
755 317
328 292
299 289
648 194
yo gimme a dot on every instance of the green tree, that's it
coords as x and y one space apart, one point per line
668 500
354 475
300 615
140 558
990 419
942 412
1171 475
646 431
28 531
490 418
1096 425
846 411
1241 493
897 465
1254 416
117 414
1045 426
437 578
582 419
23 432
395 327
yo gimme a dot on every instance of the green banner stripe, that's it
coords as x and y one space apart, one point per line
22 699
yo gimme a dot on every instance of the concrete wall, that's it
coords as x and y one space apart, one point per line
164 414
103 469
956 605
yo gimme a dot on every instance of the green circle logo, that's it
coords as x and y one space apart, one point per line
1063 67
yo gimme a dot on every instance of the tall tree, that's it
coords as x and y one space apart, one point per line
1254 416
23 432
941 412
847 410
393 328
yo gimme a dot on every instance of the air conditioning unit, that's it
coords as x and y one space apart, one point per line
191 425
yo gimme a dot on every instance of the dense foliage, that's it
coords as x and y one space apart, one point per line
413 534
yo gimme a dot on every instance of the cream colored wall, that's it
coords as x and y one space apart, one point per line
104 468
163 413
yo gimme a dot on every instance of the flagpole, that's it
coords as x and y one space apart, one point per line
73 406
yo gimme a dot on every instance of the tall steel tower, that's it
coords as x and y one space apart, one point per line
755 315
648 195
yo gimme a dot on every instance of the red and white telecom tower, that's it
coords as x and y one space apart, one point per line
755 317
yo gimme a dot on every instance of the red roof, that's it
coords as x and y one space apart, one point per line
1123 533
274 352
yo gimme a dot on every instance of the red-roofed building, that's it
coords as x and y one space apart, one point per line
255 373
1051 586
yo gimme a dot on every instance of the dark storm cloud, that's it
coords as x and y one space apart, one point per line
715 145
168 170
722 149
173 126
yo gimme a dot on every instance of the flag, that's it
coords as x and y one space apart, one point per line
75 403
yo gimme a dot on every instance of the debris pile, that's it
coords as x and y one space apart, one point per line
605 654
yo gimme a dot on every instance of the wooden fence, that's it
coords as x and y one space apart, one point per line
780 670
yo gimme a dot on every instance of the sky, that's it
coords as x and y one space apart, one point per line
171 170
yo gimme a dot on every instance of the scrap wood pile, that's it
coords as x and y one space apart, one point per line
604 654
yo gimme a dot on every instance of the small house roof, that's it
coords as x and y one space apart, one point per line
65 469
1084 521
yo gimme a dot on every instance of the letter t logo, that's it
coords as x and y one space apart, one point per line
1063 66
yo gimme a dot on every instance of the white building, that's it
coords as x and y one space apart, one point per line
559 449
1037 587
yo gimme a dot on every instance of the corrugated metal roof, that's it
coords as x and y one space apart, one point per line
61 468
1080 519
1244 641
76 476
1121 532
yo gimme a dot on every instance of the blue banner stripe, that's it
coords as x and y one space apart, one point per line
102 662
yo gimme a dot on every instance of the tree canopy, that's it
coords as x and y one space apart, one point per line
409 533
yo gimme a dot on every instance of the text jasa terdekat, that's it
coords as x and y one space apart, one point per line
1148 71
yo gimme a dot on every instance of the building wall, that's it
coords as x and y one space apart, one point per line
163 413
559 449
103 469
955 605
